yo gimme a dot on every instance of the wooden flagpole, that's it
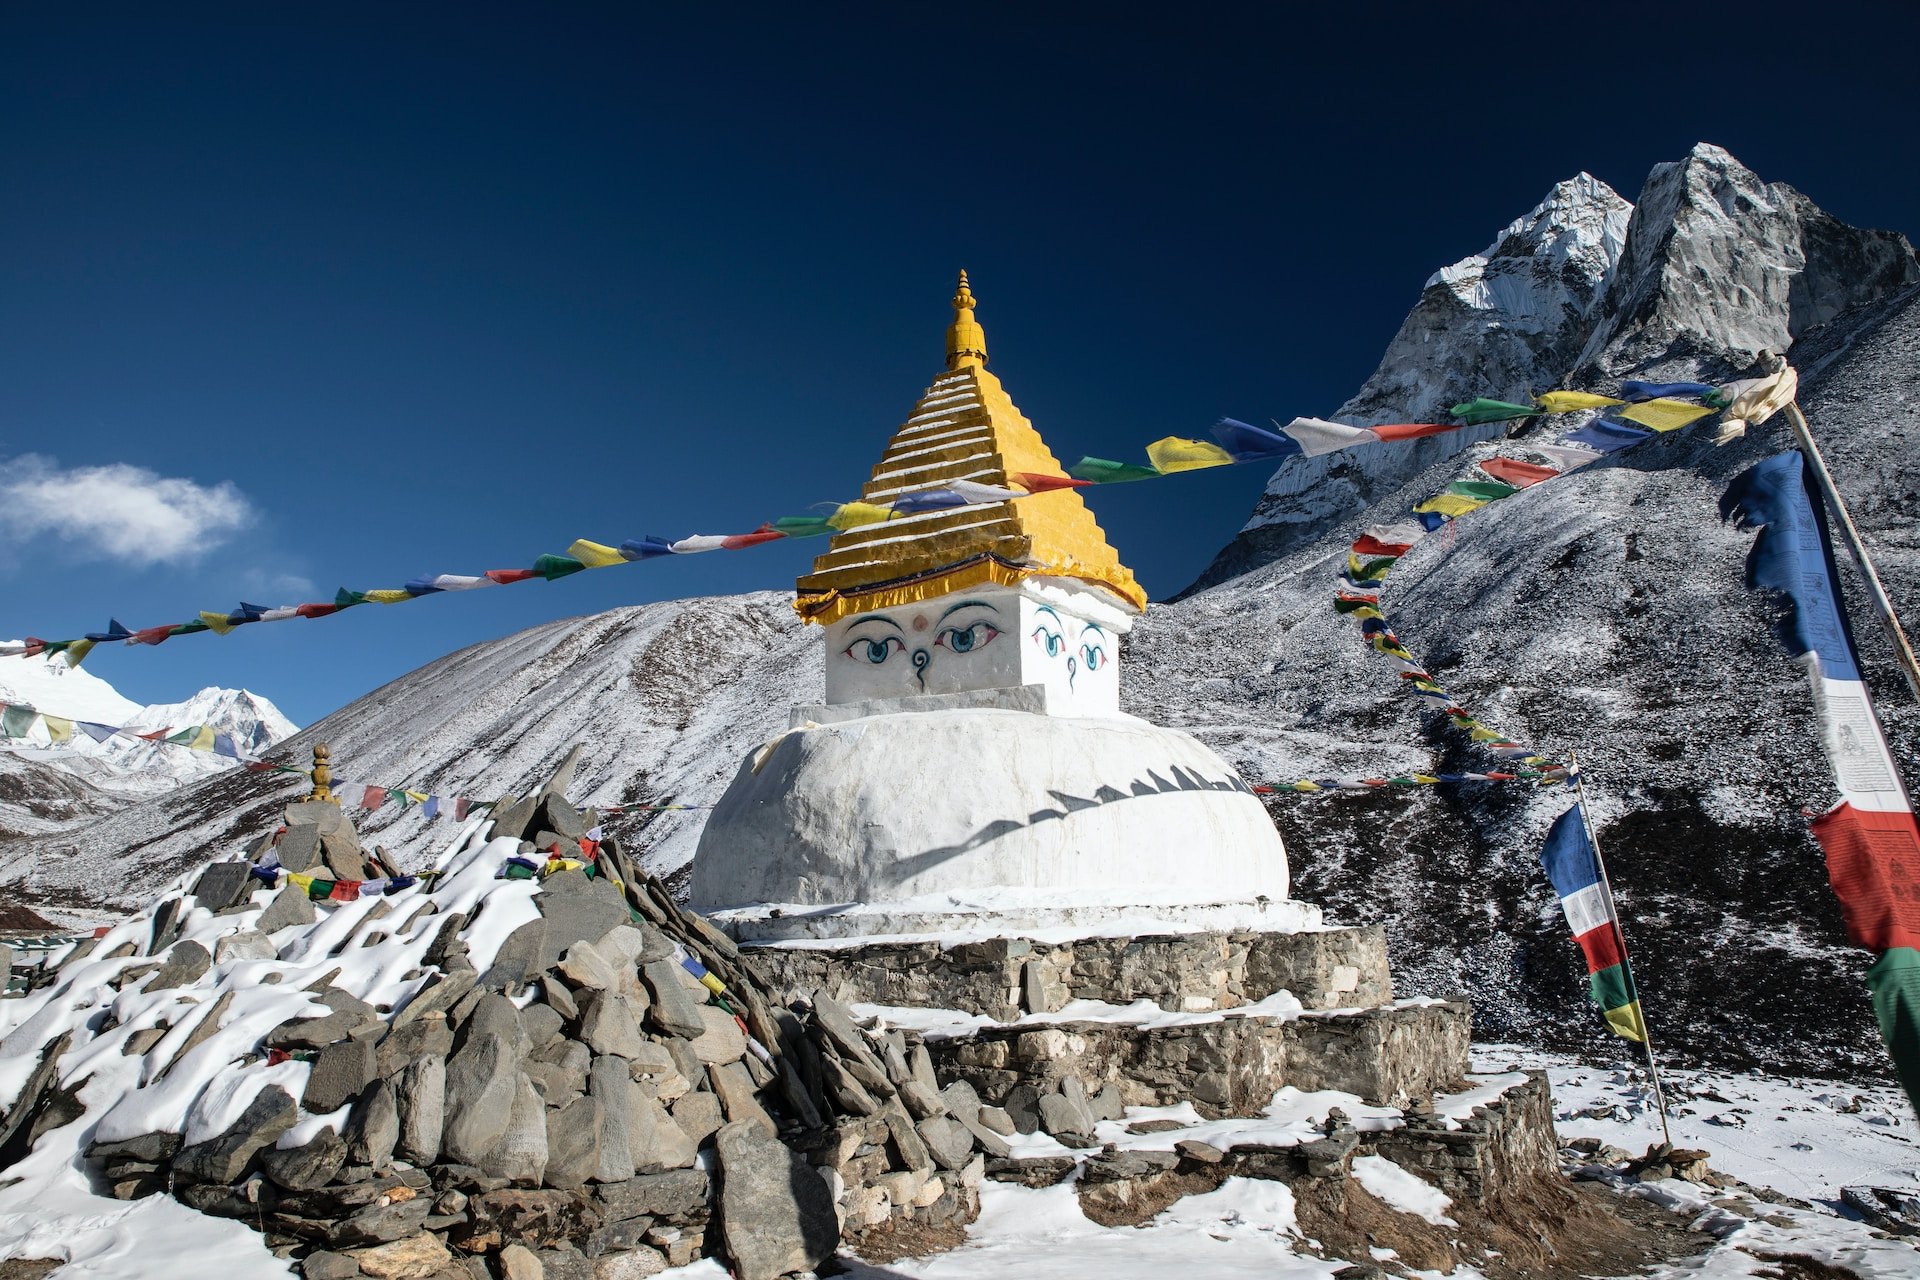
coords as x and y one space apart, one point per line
1902 649
1606 888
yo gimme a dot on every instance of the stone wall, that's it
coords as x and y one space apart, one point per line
1003 978
1505 1144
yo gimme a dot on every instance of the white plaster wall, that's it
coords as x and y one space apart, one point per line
974 803
991 638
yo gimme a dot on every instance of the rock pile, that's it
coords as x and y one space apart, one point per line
525 1062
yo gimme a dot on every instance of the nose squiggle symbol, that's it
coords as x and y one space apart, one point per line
1072 667
920 660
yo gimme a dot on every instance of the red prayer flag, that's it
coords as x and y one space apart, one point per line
504 576
345 891
1034 482
155 736
152 635
733 542
1873 863
460 807
1518 474
316 610
373 797
1602 946
1409 430
1372 546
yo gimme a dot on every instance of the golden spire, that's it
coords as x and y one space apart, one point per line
322 774
966 340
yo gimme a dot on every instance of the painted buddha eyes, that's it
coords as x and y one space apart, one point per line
967 639
1093 656
875 651
1050 640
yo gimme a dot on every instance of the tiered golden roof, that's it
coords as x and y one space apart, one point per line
964 428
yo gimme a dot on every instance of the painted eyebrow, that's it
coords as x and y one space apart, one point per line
968 604
1047 608
876 617
1093 626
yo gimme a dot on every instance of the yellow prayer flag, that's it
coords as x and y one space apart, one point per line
389 595
59 728
1178 454
1366 611
1425 779
1482 734
1664 415
1568 401
1451 504
595 555
1627 1023
854 514
217 623
300 882
202 738
76 653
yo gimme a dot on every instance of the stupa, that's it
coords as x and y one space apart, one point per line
970 768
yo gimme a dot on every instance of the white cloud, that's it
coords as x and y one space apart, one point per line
265 584
118 512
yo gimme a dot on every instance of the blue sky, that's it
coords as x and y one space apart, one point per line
302 297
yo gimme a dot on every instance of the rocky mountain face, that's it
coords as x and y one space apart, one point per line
1603 612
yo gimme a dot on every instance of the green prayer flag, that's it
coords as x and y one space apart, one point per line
1894 982
519 871
1491 490
551 567
188 629
803 526
345 599
320 890
1474 412
17 720
1103 471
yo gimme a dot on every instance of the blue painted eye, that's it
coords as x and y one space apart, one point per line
1052 641
1094 656
874 651
967 639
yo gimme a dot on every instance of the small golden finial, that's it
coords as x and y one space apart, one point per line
322 773
966 340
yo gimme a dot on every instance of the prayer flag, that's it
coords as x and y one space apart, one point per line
1637 391
312 611
459 582
98 732
1175 453
388 595
554 567
1247 443
1606 435
975 492
461 806
505 576
224 745
1316 436
765 533
1570 457
1573 401
803 526
703 542
77 651
1754 400
218 623
1574 869
421 587
152 635
345 599
1034 482
925 500
114 631
431 809
59 729
17 720
1520 475
851 515
1451 504
1411 430
344 891
645 548
1482 410
1664 415
373 797
1103 471
595 555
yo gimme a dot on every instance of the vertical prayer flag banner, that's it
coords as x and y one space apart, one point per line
1573 866
1870 838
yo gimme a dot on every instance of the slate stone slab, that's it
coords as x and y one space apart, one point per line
299 848
422 1098
321 815
306 1168
340 1072
776 1214
674 1010
521 1153
573 1142
678 1194
221 885
289 907
481 1084
185 962
375 1126
223 1159
609 1082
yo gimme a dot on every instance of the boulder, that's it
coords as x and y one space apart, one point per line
223 884
577 908
573 1142
587 969
519 958
672 1196
340 1072
720 1039
560 1070
422 1099
698 1114
657 1143
481 1082
609 1082
543 1025
610 1025
421 1257
776 1214
289 907
949 1141
324 1264
185 962
380 1223
306 1168
674 1011
299 848
511 814
375 1127
322 815
517 1262
739 1098
223 1159
248 944
521 1153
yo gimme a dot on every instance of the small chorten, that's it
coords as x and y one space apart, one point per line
971 767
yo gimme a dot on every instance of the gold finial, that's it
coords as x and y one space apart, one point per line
322 773
966 340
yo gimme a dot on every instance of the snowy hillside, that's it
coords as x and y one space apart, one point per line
1605 612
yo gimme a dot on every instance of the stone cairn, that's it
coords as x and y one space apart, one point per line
586 1106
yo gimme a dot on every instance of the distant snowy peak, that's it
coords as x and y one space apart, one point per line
1547 258
120 764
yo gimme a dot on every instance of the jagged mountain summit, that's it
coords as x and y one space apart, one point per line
1604 612
44 784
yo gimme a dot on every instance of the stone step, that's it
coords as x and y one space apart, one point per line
1225 1064
1002 978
